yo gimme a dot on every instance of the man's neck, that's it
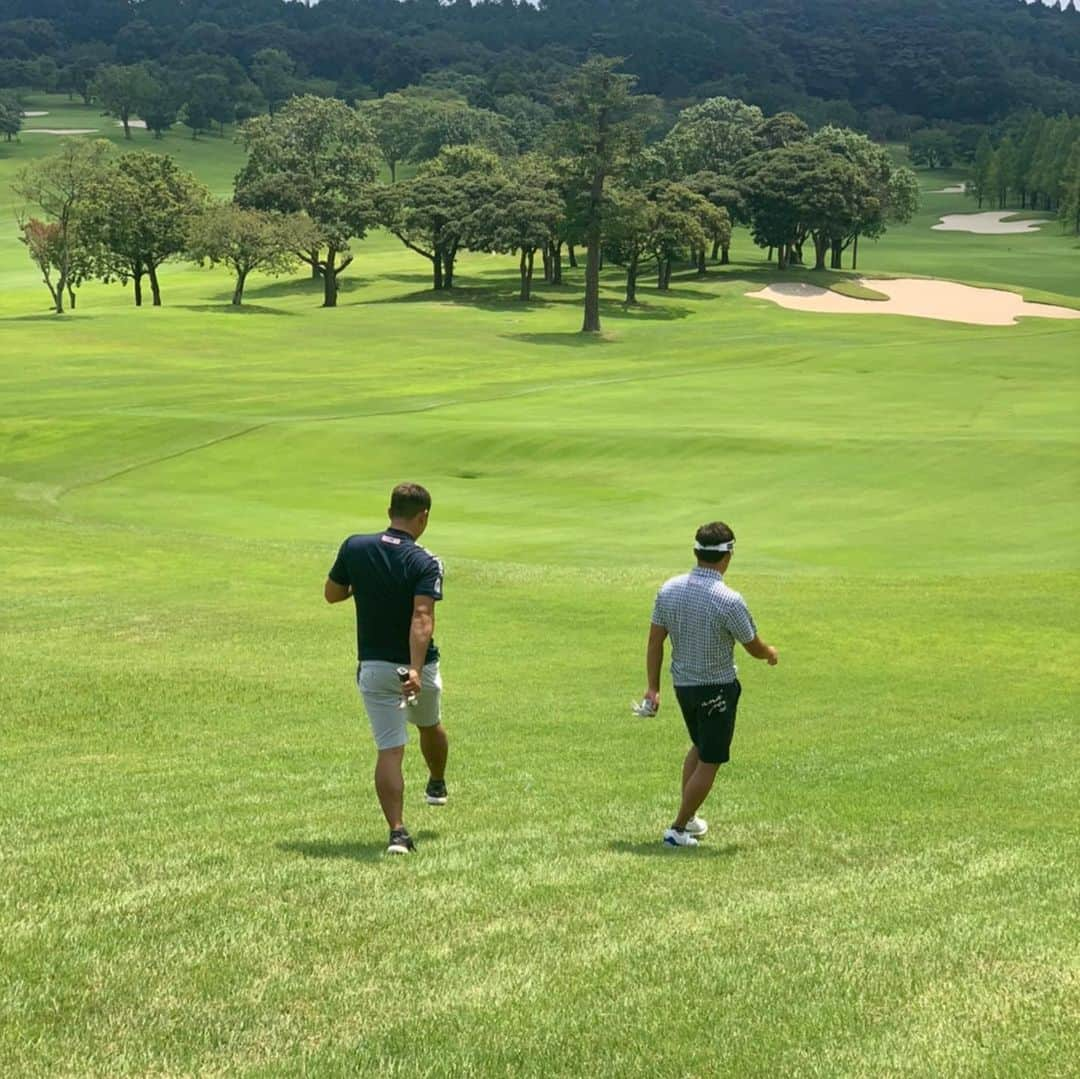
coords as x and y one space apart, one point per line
402 526
712 567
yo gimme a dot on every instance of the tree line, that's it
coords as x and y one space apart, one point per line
1029 160
590 181
887 67
1033 164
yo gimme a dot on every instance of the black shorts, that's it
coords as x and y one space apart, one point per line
709 712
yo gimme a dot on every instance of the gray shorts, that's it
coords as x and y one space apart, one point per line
380 689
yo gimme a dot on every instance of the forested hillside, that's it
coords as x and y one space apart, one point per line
889 66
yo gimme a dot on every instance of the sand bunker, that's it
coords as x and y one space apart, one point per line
990 223
60 131
944 300
131 123
35 112
954 189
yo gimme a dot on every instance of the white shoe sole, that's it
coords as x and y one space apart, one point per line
433 801
398 850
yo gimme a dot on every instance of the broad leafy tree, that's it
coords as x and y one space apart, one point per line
120 89
395 122
249 240
713 136
932 147
63 187
272 71
319 157
11 112
140 215
519 217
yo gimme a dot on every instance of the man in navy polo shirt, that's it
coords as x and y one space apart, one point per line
395 584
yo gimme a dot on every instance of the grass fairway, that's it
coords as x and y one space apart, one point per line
193 880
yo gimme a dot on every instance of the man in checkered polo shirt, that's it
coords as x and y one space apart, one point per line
704 618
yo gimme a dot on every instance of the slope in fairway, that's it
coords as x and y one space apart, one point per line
193 880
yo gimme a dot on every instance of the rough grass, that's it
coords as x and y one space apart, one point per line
192 873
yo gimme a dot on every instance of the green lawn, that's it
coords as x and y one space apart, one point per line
192 873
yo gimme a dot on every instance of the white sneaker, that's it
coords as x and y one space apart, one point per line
697 826
679 837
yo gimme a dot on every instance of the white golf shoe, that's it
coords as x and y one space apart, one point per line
679 837
697 826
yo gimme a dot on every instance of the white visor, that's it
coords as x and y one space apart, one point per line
729 546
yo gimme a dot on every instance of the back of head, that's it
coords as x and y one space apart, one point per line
713 542
407 500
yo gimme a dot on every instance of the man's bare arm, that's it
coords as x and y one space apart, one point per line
654 660
336 593
421 630
760 650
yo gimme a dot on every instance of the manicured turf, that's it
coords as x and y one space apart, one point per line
192 875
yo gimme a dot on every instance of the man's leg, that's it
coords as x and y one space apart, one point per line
696 789
689 764
434 746
390 784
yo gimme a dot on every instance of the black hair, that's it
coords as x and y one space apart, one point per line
409 499
711 535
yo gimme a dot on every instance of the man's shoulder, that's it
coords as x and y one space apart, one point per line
673 584
728 596
359 540
423 557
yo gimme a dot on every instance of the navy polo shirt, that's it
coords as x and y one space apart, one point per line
386 571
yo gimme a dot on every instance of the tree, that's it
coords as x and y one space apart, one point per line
602 125
1069 206
120 89
518 217
883 194
933 148
209 98
982 167
140 214
713 136
394 121
683 221
62 187
11 113
318 156
441 123
630 216
657 225
781 130
427 214
249 240
272 72
56 250
724 195
474 173
158 107
83 64
799 191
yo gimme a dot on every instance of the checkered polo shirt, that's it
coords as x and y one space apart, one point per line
704 619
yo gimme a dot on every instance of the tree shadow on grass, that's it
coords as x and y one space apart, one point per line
487 297
49 316
298 286
655 849
231 309
571 338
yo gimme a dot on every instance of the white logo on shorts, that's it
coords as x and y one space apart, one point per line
717 704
